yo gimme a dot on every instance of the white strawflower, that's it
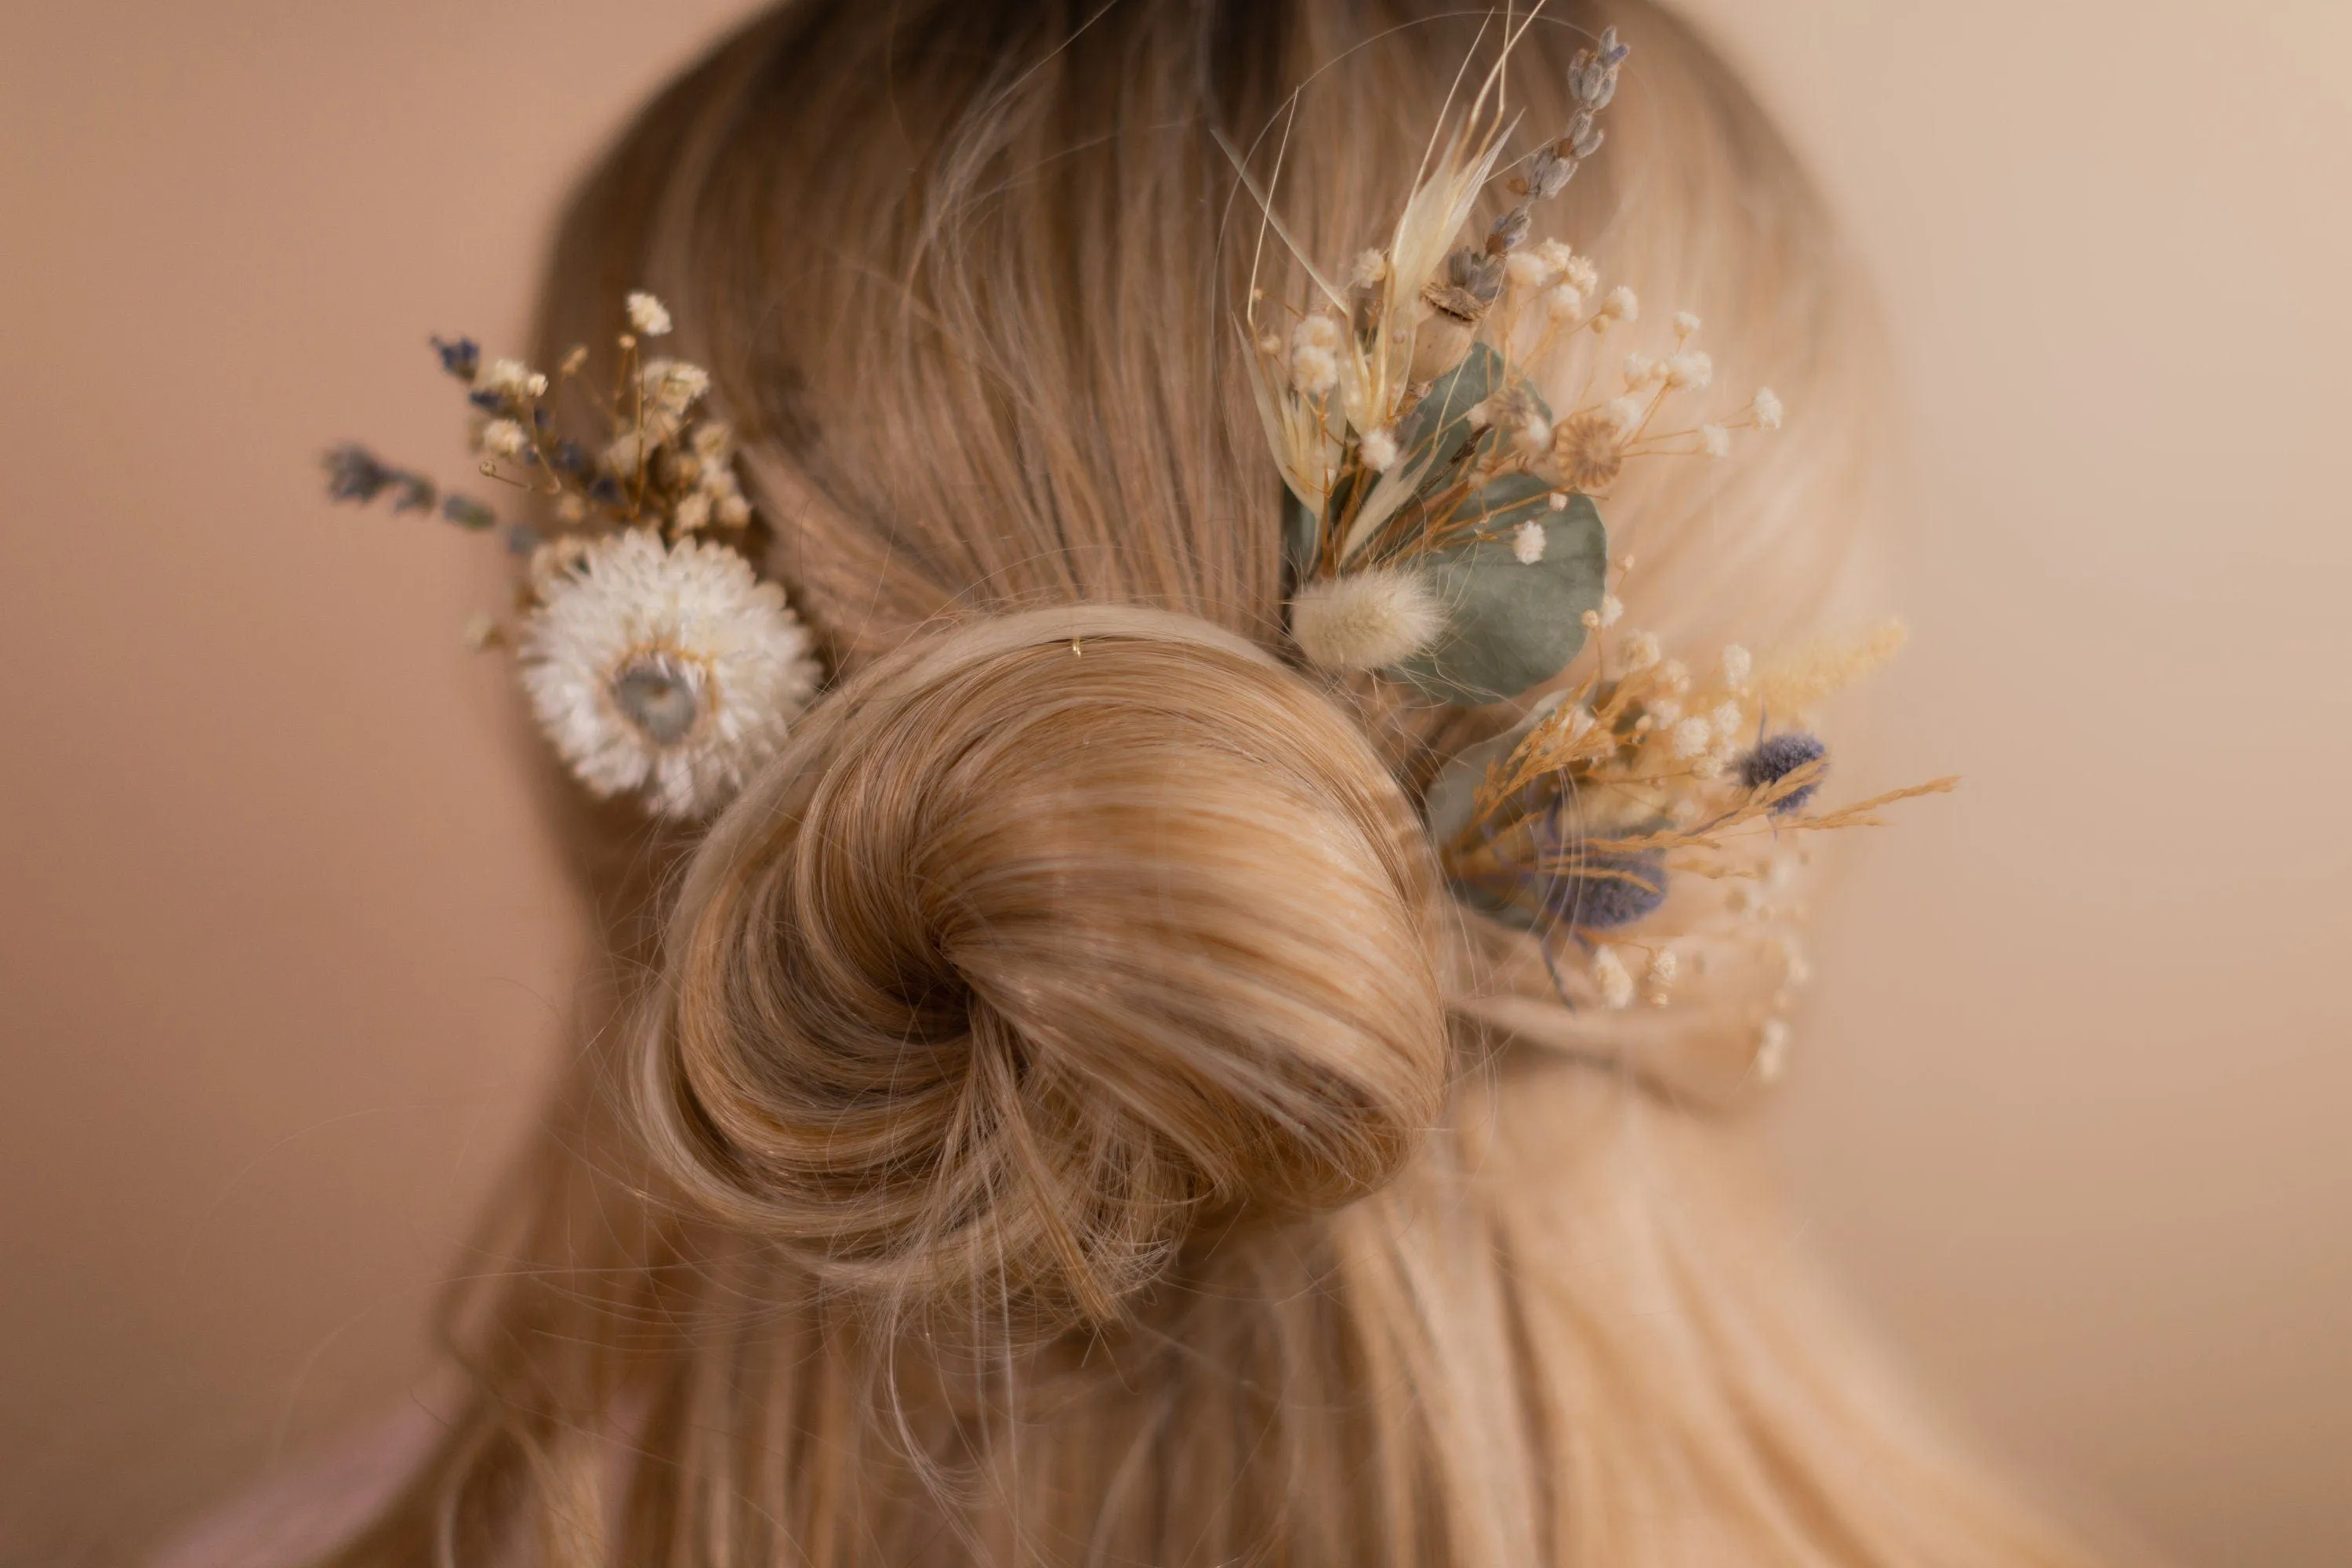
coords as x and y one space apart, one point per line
1739 664
1610 979
503 438
670 671
1691 737
1767 409
1715 440
1365 620
1528 542
648 315
1378 450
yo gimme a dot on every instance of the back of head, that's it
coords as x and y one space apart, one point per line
1035 1129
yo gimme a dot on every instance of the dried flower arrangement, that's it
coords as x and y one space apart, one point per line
1441 530
654 658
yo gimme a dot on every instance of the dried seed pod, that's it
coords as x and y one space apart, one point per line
1449 325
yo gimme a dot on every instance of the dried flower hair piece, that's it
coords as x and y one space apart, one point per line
1446 432
657 661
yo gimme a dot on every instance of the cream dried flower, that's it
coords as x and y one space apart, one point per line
1691 369
1378 450
1589 447
1623 305
1611 978
1691 737
672 385
648 315
1767 408
510 378
1365 620
1739 664
1715 440
1313 370
503 438
669 672
1528 542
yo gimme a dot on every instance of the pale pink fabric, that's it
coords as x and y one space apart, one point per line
312 1506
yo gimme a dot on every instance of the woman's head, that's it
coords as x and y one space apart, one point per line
1036 1125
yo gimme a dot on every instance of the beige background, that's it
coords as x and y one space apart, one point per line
283 948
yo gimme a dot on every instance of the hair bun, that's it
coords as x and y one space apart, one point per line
1030 952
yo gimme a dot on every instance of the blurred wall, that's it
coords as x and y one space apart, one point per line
282 950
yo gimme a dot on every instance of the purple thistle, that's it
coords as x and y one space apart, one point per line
1778 757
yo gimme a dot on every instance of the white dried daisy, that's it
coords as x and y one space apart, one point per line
669 671
1365 620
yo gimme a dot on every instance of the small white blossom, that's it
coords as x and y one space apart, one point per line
1481 415
1725 719
1739 664
1658 984
1767 409
1641 369
1662 710
1313 370
1559 500
648 315
1378 450
1528 542
1625 412
1685 324
1691 737
1365 620
732 510
1319 330
672 385
1715 440
1581 274
1612 609
693 512
1675 673
714 440
510 378
1527 270
1534 436
1368 269
1691 369
1623 305
1610 978
503 438
1771 1050
1641 650
1563 303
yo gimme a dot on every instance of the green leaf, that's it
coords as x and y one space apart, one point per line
1438 426
1510 625
1299 526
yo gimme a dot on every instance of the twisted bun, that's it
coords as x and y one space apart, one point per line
1042 941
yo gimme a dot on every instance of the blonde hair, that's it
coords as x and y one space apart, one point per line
1043 1119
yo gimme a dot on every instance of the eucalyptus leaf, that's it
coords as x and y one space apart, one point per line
1299 528
1438 428
1510 624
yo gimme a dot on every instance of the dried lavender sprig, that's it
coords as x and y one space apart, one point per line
1592 82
